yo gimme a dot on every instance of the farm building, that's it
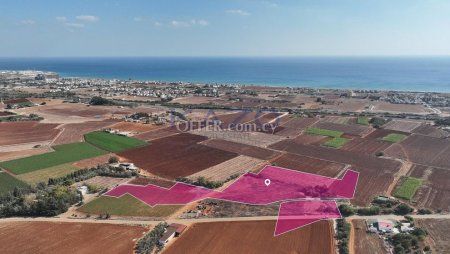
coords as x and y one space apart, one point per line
382 226
179 228
167 236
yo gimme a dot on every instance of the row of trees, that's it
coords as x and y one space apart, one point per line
148 243
202 181
343 234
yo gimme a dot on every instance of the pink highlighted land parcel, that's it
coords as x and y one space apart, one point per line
308 197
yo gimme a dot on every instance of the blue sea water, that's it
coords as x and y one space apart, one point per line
430 74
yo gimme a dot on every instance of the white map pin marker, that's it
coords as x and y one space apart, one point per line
267 182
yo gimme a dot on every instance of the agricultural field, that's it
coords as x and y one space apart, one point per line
157 134
93 162
308 139
26 152
366 145
309 165
408 188
438 233
62 154
151 180
242 149
56 238
422 150
104 182
372 180
363 120
221 172
214 208
294 126
74 132
394 137
402 125
336 142
176 156
8 183
258 139
339 119
43 175
112 142
127 205
431 131
324 132
366 243
254 237
135 127
435 190
13 133
350 129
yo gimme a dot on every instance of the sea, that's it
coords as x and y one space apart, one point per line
419 74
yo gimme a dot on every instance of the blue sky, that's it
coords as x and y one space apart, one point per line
223 27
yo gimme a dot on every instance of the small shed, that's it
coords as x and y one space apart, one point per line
179 228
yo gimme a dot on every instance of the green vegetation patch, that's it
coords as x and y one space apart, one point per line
112 142
336 142
363 120
324 132
63 154
127 205
394 137
408 188
43 175
9 182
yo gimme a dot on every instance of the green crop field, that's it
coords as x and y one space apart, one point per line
112 142
8 183
127 206
324 132
394 137
43 175
336 142
363 120
408 188
63 154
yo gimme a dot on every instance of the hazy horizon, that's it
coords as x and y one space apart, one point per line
227 28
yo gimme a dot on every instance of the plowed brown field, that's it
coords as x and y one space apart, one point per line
254 237
308 164
12 133
242 149
49 237
176 156
74 132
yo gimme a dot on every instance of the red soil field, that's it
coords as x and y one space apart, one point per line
366 146
12 133
16 101
376 174
242 149
422 150
355 130
234 118
176 156
82 238
156 134
402 125
308 164
381 133
5 113
74 132
93 162
307 139
428 130
254 237
135 127
435 192
295 126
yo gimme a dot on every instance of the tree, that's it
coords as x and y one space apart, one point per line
113 159
403 209
346 210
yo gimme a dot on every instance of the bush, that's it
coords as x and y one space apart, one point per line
374 210
403 209
113 159
346 210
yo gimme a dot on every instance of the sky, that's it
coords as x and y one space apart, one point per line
79 28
